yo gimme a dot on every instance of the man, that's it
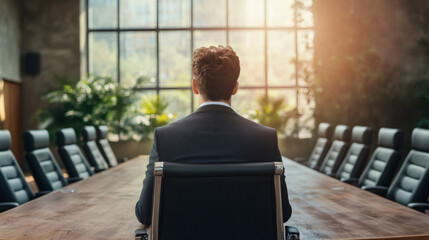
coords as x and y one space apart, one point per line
214 133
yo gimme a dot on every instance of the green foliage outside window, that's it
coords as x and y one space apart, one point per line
152 115
273 112
100 101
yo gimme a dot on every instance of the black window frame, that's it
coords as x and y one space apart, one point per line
295 28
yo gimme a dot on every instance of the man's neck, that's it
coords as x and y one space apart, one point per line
201 101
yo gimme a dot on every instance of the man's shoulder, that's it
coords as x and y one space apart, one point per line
195 119
254 125
177 124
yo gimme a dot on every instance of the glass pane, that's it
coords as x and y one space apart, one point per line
246 13
209 38
306 101
217 13
280 13
138 59
289 103
179 102
196 103
103 54
249 46
304 13
141 123
102 13
174 13
175 59
306 109
144 94
138 13
305 57
246 100
289 96
281 58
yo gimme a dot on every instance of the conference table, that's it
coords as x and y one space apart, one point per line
102 207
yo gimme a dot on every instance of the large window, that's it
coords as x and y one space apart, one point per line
153 40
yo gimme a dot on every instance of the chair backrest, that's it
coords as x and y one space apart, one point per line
94 155
337 151
383 163
76 164
353 163
321 147
43 165
13 186
217 201
411 184
104 146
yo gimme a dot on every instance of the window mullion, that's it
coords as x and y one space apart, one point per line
118 54
265 49
157 47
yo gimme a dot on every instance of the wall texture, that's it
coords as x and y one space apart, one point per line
9 40
369 58
51 28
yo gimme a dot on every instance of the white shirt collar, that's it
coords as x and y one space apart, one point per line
215 103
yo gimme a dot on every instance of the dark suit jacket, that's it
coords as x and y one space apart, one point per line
212 134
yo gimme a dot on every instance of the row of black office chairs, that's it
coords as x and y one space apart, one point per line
14 189
345 158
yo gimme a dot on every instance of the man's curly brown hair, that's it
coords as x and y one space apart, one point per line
216 70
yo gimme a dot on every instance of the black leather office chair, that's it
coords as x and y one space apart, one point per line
104 146
43 165
94 155
411 185
322 145
384 161
76 164
14 189
353 164
337 151
217 201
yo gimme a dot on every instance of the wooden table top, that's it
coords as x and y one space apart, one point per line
326 208
103 208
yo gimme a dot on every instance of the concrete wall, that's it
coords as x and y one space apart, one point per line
9 40
390 29
367 55
50 27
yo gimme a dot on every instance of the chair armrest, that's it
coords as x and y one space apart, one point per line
419 206
74 179
4 206
292 233
380 191
42 193
141 234
352 181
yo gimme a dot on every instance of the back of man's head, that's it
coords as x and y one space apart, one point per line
216 70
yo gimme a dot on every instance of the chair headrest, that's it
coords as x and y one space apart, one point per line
35 139
420 139
66 136
5 140
325 130
89 133
361 134
342 132
390 138
102 131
